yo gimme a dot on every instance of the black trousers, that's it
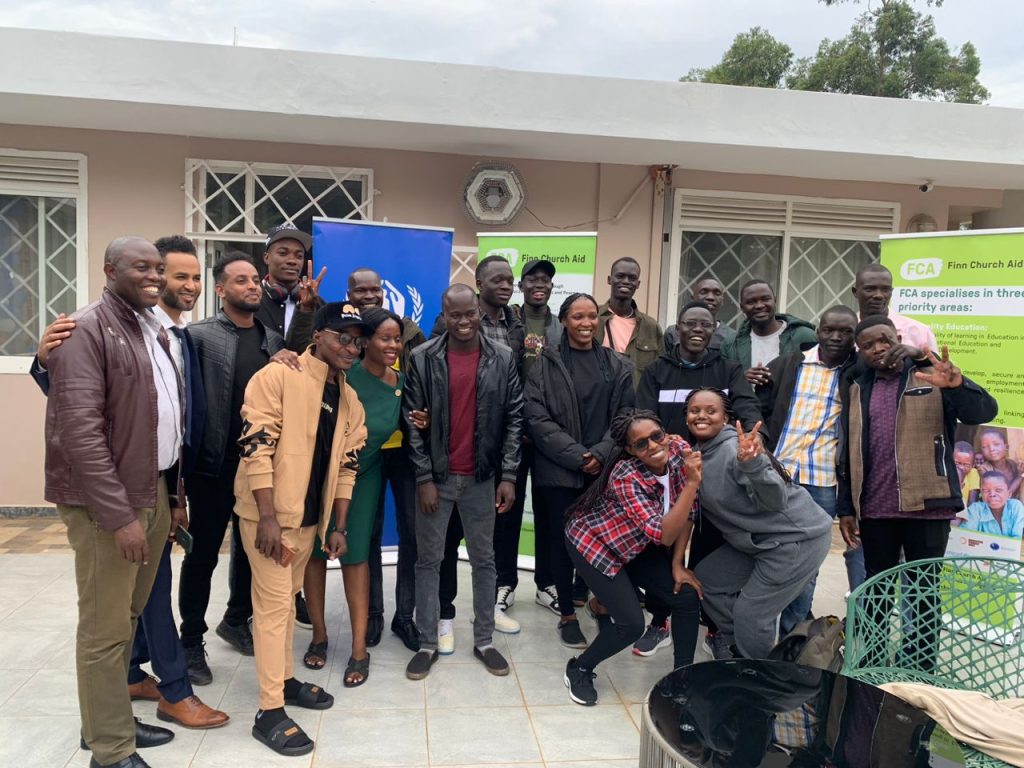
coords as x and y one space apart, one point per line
212 505
652 570
555 501
883 540
704 540
398 471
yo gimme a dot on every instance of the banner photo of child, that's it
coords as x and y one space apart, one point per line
995 512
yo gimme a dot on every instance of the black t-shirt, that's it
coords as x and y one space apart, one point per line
322 453
593 393
249 358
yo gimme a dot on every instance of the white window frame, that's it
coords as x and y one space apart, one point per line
19 364
672 262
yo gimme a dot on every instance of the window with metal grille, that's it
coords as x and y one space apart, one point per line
42 247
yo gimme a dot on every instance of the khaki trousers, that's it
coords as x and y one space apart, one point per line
273 608
111 595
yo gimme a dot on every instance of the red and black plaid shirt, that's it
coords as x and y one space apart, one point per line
628 516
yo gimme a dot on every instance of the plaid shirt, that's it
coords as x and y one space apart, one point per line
497 331
809 441
628 516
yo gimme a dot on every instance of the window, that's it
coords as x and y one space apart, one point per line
808 249
42 248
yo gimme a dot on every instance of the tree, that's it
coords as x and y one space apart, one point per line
892 50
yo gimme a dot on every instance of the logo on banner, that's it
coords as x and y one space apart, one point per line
921 269
511 255
395 301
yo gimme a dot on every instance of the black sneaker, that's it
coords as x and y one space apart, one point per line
571 635
301 612
198 670
239 638
420 664
580 683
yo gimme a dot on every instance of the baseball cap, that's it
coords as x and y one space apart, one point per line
337 316
288 232
533 265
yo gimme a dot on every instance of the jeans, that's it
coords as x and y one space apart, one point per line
507 529
212 502
398 471
475 500
798 610
652 570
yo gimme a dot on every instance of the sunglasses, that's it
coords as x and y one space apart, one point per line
645 442
348 340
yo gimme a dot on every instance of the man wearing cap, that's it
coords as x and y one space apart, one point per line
301 435
290 292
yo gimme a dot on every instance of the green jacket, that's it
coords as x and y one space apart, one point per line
644 345
799 335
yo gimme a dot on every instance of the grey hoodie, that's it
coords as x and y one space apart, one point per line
753 507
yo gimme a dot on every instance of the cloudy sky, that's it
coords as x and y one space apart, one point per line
649 39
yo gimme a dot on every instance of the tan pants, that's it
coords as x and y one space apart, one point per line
273 608
111 595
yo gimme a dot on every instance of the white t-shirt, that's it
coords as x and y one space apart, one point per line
764 349
665 500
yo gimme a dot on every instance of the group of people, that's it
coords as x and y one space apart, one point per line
702 465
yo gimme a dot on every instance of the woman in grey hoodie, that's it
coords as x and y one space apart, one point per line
776 537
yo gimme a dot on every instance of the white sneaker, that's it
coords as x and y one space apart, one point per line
506 597
548 598
446 637
505 623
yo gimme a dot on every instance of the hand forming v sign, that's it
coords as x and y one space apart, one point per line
309 295
750 445
944 375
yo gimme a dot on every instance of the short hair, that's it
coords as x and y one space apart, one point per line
994 474
229 258
486 261
362 269
375 317
756 281
963 447
873 266
704 279
619 260
839 309
870 322
695 304
119 245
455 288
175 244
994 431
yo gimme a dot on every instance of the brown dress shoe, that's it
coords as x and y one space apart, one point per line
144 691
190 712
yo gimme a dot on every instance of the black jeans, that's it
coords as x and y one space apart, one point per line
554 502
507 529
398 471
652 570
212 503
883 539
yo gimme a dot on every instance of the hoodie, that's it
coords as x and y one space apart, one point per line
797 335
667 381
749 502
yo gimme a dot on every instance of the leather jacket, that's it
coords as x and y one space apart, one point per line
101 418
216 343
499 411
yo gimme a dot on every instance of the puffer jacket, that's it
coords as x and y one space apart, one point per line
499 411
554 421
798 335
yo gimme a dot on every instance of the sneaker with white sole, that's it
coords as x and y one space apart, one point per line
652 640
446 637
721 646
505 623
571 635
506 597
580 683
548 598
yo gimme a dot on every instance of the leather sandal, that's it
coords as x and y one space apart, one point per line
356 667
316 655
286 738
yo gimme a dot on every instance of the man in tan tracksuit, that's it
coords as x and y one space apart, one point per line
301 433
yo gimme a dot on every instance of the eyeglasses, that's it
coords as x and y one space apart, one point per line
348 340
704 325
644 442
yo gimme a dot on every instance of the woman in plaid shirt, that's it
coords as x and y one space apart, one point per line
630 528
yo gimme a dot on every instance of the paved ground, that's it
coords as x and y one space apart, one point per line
458 716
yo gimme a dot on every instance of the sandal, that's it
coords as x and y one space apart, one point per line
310 697
286 738
317 652
356 667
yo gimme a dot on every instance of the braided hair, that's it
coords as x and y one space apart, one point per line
730 417
571 299
619 432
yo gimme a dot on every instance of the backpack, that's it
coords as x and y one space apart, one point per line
814 643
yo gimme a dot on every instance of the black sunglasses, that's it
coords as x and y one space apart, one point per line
644 442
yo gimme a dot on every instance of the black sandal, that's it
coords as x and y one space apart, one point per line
286 738
311 697
315 652
356 667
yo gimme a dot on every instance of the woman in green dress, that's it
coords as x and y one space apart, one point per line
379 387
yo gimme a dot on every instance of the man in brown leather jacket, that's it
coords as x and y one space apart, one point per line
114 432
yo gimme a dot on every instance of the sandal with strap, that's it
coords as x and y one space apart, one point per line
317 652
310 697
356 667
286 738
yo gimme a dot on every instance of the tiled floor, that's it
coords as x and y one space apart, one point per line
458 716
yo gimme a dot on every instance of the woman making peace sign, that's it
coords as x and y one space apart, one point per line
776 537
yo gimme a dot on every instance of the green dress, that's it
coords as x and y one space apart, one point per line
383 406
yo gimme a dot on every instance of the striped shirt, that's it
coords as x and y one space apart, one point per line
809 441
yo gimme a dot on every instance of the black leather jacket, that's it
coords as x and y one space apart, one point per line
216 342
499 411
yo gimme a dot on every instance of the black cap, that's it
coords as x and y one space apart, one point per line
288 232
533 265
337 316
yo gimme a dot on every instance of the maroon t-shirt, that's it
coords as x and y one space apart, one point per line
462 407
